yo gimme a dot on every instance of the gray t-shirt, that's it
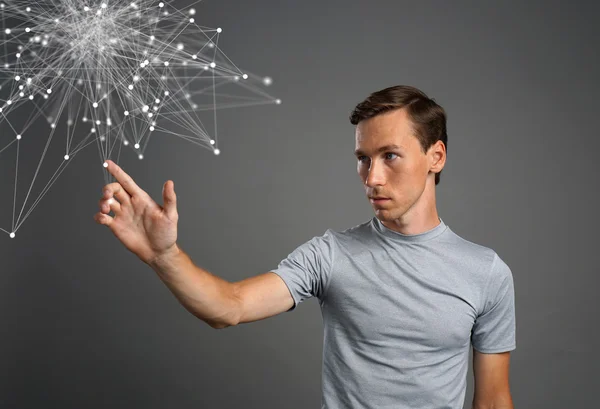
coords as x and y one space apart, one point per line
400 313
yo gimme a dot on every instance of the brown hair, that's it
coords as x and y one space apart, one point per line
428 118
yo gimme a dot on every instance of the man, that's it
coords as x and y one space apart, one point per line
402 296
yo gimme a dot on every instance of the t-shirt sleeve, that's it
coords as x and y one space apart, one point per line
494 330
307 269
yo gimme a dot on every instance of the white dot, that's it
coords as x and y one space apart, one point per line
103 5
194 57
7 31
219 30
166 93
157 101
126 113
12 235
95 105
213 65
136 146
27 30
151 128
97 122
125 142
9 102
28 9
161 5
21 94
217 151
141 156
192 11
130 86
180 46
31 97
192 20
166 63
212 141
267 81
105 164
278 101
18 55
17 78
86 8
150 114
49 90
52 126
245 76
93 130
66 157
19 136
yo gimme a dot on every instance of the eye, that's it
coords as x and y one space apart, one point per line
360 158
390 153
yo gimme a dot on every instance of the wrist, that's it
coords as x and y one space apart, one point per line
165 257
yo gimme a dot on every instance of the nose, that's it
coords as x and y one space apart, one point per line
375 175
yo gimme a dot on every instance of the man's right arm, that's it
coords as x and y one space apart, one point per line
219 302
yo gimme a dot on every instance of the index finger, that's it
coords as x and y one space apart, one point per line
123 178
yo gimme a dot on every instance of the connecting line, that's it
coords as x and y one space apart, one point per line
108 73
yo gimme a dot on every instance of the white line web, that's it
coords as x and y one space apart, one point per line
111 73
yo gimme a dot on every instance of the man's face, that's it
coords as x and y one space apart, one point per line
391 164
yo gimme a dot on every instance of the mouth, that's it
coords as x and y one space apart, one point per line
378 199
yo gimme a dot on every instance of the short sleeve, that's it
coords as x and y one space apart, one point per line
307 269
494 329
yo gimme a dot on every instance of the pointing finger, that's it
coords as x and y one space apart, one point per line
124 179
115 189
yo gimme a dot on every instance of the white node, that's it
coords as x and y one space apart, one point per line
161 5
150 114
245 76
95 105
136 78
130 86
217 151
84 119
21 87
31 97
19 136
125 143
52 126
97 122
103 5
105 164
155 108
28 9
180 46
192 20
18 55
278 101
166 63
194 57
136 146
49 90
9 102
126 113
151 128
93 130
192 11
12 235
219 30
21 94
102 139
267 81
7 31
17 78
86 8
69 122
145 108
27 30
45 96
140 156
213 65
157 101
166 93
212 141
66 157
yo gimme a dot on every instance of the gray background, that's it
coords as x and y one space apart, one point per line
84 323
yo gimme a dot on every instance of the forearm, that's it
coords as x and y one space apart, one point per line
205 295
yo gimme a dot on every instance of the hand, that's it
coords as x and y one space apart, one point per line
144 227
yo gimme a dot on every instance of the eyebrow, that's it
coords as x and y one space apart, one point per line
382 149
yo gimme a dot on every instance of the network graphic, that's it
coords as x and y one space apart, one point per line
75 73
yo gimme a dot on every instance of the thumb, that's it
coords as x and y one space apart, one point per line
170 198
